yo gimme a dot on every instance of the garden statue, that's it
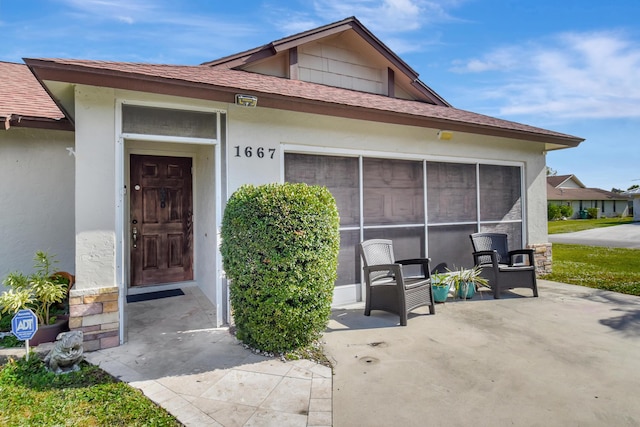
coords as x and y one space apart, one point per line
66 353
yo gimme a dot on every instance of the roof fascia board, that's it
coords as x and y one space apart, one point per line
248 58
152 84
67 116
285 44
577 181
40 123
430 93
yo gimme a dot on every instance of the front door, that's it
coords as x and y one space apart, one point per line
161 220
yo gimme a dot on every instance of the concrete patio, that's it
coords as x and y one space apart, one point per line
568 358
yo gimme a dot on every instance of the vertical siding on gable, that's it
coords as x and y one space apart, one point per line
331 65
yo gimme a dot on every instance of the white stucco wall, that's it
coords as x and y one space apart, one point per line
271 129
37 194
95 188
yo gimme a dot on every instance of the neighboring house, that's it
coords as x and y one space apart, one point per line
160 148
634 195
568 190
37 174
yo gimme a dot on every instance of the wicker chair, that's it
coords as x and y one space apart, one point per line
387 288
491 252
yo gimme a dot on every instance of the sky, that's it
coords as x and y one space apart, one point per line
572 66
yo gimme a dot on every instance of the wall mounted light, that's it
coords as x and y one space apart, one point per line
445 135
246 100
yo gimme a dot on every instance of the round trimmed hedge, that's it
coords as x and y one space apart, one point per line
279 248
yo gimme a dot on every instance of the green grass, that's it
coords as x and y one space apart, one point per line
572 225
612 269
32 396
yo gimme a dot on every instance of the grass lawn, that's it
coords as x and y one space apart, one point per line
32 396
612 269
572 225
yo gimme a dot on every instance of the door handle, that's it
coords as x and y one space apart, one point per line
134 236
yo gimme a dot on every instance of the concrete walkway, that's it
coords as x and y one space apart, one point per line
618 236
205 377
568 358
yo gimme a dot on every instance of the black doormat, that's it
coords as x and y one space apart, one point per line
154 295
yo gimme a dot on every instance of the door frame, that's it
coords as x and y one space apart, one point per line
122 177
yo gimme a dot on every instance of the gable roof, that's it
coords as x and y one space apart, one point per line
555 191
241 60
221 84
582 194
559 180
25 103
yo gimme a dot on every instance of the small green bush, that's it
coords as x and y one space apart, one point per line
279 248
553 212
566 211
593 212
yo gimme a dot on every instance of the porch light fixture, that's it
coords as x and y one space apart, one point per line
445 135
246 100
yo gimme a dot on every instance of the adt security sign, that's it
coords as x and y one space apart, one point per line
24 324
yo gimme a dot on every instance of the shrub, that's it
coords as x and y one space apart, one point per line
553 212
566 211
279 248
593 212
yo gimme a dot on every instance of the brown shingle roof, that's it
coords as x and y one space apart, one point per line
330 100
22 97
554 193
556 180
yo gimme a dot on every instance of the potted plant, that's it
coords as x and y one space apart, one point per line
42 291
465 280
440 287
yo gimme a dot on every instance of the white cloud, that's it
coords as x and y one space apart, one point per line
386 16
128 11
572 75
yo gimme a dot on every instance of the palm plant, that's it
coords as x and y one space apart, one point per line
38 291
462 278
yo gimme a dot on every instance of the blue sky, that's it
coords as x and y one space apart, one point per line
571 66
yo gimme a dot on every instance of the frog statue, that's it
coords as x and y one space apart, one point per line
66 353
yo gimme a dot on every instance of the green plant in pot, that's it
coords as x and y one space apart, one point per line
440 287
465 280
42 291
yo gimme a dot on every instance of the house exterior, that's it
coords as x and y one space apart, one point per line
160 148
570 191
38 177
634 196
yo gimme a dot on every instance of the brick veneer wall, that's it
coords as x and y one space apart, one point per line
542 257
95 313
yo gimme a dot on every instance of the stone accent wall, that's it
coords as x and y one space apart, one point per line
542 257
95 313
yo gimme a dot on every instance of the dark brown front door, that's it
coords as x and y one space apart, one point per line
161 220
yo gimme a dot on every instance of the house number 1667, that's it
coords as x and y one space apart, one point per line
259 152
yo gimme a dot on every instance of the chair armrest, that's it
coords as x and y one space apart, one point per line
413 261
396 270
424 262
528 252
381 267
